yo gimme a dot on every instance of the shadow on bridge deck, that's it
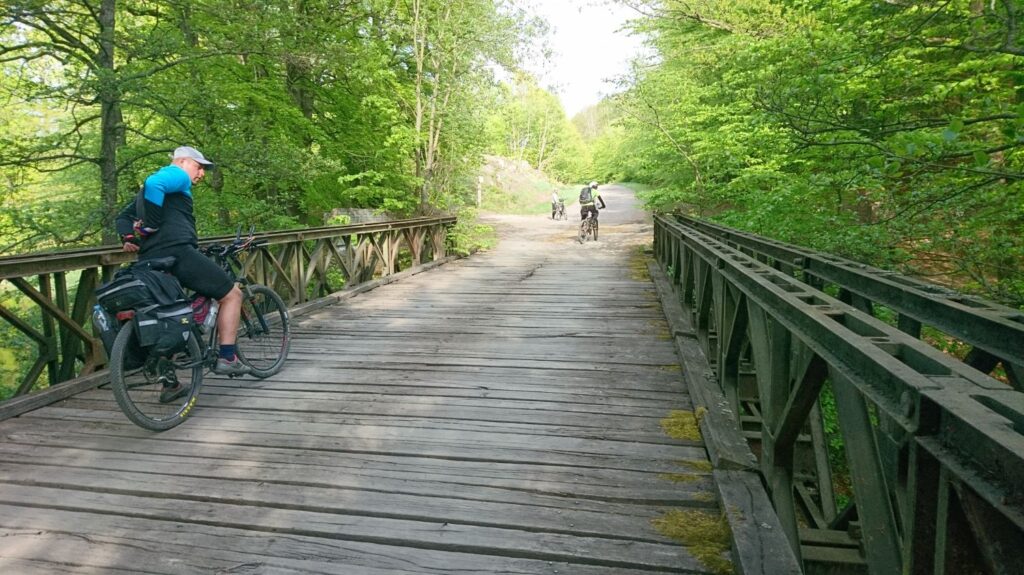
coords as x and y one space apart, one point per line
500 414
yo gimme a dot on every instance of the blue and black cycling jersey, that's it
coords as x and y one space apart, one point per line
168 210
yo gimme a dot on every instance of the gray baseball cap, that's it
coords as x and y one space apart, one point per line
191 153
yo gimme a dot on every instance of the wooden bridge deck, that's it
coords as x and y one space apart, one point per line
499 414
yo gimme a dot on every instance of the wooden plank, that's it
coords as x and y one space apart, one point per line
39 537
619 424
436 535
614 520
589 489
633 432
218 434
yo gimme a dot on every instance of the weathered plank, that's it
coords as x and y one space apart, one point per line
543 485
40 541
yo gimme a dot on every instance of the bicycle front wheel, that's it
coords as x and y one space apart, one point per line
264 334
155 393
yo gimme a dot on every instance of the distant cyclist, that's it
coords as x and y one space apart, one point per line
556 204
588 196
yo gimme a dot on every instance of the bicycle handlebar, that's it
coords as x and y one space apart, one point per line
238 245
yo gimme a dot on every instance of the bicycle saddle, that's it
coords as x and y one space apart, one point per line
159 264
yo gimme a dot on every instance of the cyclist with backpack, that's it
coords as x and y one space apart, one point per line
167 227
588 196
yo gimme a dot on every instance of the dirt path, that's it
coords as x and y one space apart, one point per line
624 227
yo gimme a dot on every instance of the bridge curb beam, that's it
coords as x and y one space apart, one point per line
759 544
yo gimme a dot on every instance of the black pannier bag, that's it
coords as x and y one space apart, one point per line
123 292
137 287
164 330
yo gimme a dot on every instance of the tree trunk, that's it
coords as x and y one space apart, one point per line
419 52
543 141
111 121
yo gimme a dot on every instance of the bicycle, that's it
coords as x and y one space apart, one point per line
588 228
560 212
138 380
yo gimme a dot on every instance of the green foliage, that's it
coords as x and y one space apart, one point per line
304 106
17 350
530 125
468 235
842 482
892 133
339 220
535 199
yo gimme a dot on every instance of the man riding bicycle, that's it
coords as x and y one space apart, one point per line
588 196
169 229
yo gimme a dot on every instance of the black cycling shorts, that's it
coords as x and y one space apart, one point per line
196 271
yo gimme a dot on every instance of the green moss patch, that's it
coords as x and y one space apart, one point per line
705 535
638 265
705 496
680 477
681 425
696 465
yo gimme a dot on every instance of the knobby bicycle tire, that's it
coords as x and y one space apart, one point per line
126 393
588 229
264 331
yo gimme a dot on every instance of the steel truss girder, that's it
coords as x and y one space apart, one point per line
918 424
995 330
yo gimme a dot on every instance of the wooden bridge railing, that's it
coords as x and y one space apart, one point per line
933 480
300 264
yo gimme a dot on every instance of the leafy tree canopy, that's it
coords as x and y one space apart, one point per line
890 132
305 106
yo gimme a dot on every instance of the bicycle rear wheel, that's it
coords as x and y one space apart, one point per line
264 334
161 393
